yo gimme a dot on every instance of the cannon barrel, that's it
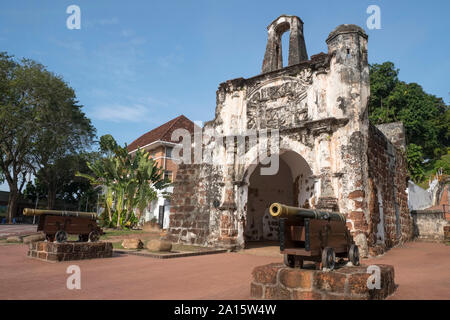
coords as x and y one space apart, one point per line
38 212
281 210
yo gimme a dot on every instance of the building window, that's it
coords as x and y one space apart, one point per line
168 175
169 152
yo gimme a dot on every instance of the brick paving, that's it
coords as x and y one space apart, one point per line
421 271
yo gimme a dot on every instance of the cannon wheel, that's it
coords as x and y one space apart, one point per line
94 236
328 258
61 236
353 255
289 260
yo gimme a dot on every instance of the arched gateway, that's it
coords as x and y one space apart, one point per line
310 120
292 185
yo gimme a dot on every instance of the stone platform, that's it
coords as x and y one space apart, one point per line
67 251
278 282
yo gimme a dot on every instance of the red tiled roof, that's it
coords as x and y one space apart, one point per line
163 132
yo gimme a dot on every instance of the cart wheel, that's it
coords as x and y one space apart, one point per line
61 236
289 260
353 255
328 258
94 236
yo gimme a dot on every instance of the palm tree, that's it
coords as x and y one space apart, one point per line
131 182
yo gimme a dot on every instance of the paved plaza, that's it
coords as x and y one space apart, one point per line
421 271
7 230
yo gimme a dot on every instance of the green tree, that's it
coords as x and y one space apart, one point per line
383 79
41 122
415 160
426 117
74 192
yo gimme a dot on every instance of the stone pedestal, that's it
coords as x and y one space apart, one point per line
67 251
278 282
447 233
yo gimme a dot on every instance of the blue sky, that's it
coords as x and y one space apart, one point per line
137 64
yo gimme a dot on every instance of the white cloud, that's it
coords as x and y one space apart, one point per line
122 113
170 60
70 45
127 33
100 22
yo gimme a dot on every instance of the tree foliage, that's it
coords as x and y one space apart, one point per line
65 190
426 117
41 123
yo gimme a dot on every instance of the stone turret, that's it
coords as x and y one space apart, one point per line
273 58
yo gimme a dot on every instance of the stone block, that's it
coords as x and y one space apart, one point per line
266 274
32 245
277 293
256 290
296 278
330 281
34 238
276 281
306 295
55 257
159 245
56 252
42 255
42 246
357 283
447 233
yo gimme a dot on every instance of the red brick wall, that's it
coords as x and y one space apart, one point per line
387 177
191 205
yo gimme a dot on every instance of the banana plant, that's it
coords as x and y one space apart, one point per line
131 182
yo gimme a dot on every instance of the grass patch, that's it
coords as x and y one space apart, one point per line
3 242
117 233
117 245
189 248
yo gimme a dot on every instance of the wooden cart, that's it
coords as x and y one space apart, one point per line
57 225
313 235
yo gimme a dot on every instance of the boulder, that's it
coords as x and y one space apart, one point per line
159 245
14 239
34 238
132 244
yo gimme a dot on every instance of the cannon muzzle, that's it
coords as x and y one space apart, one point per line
281 210
38 212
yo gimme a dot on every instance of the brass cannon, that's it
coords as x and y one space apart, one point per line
57 225
313 235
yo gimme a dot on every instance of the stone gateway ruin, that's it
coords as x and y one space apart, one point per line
312 118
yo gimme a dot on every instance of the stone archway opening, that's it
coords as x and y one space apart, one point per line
292 185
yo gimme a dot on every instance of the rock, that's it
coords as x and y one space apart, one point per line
159 245
14 239
132 244
34 238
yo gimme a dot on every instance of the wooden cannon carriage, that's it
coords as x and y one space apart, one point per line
57 225
313 235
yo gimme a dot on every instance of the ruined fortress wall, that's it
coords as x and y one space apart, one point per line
337 161
192 203
387 197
